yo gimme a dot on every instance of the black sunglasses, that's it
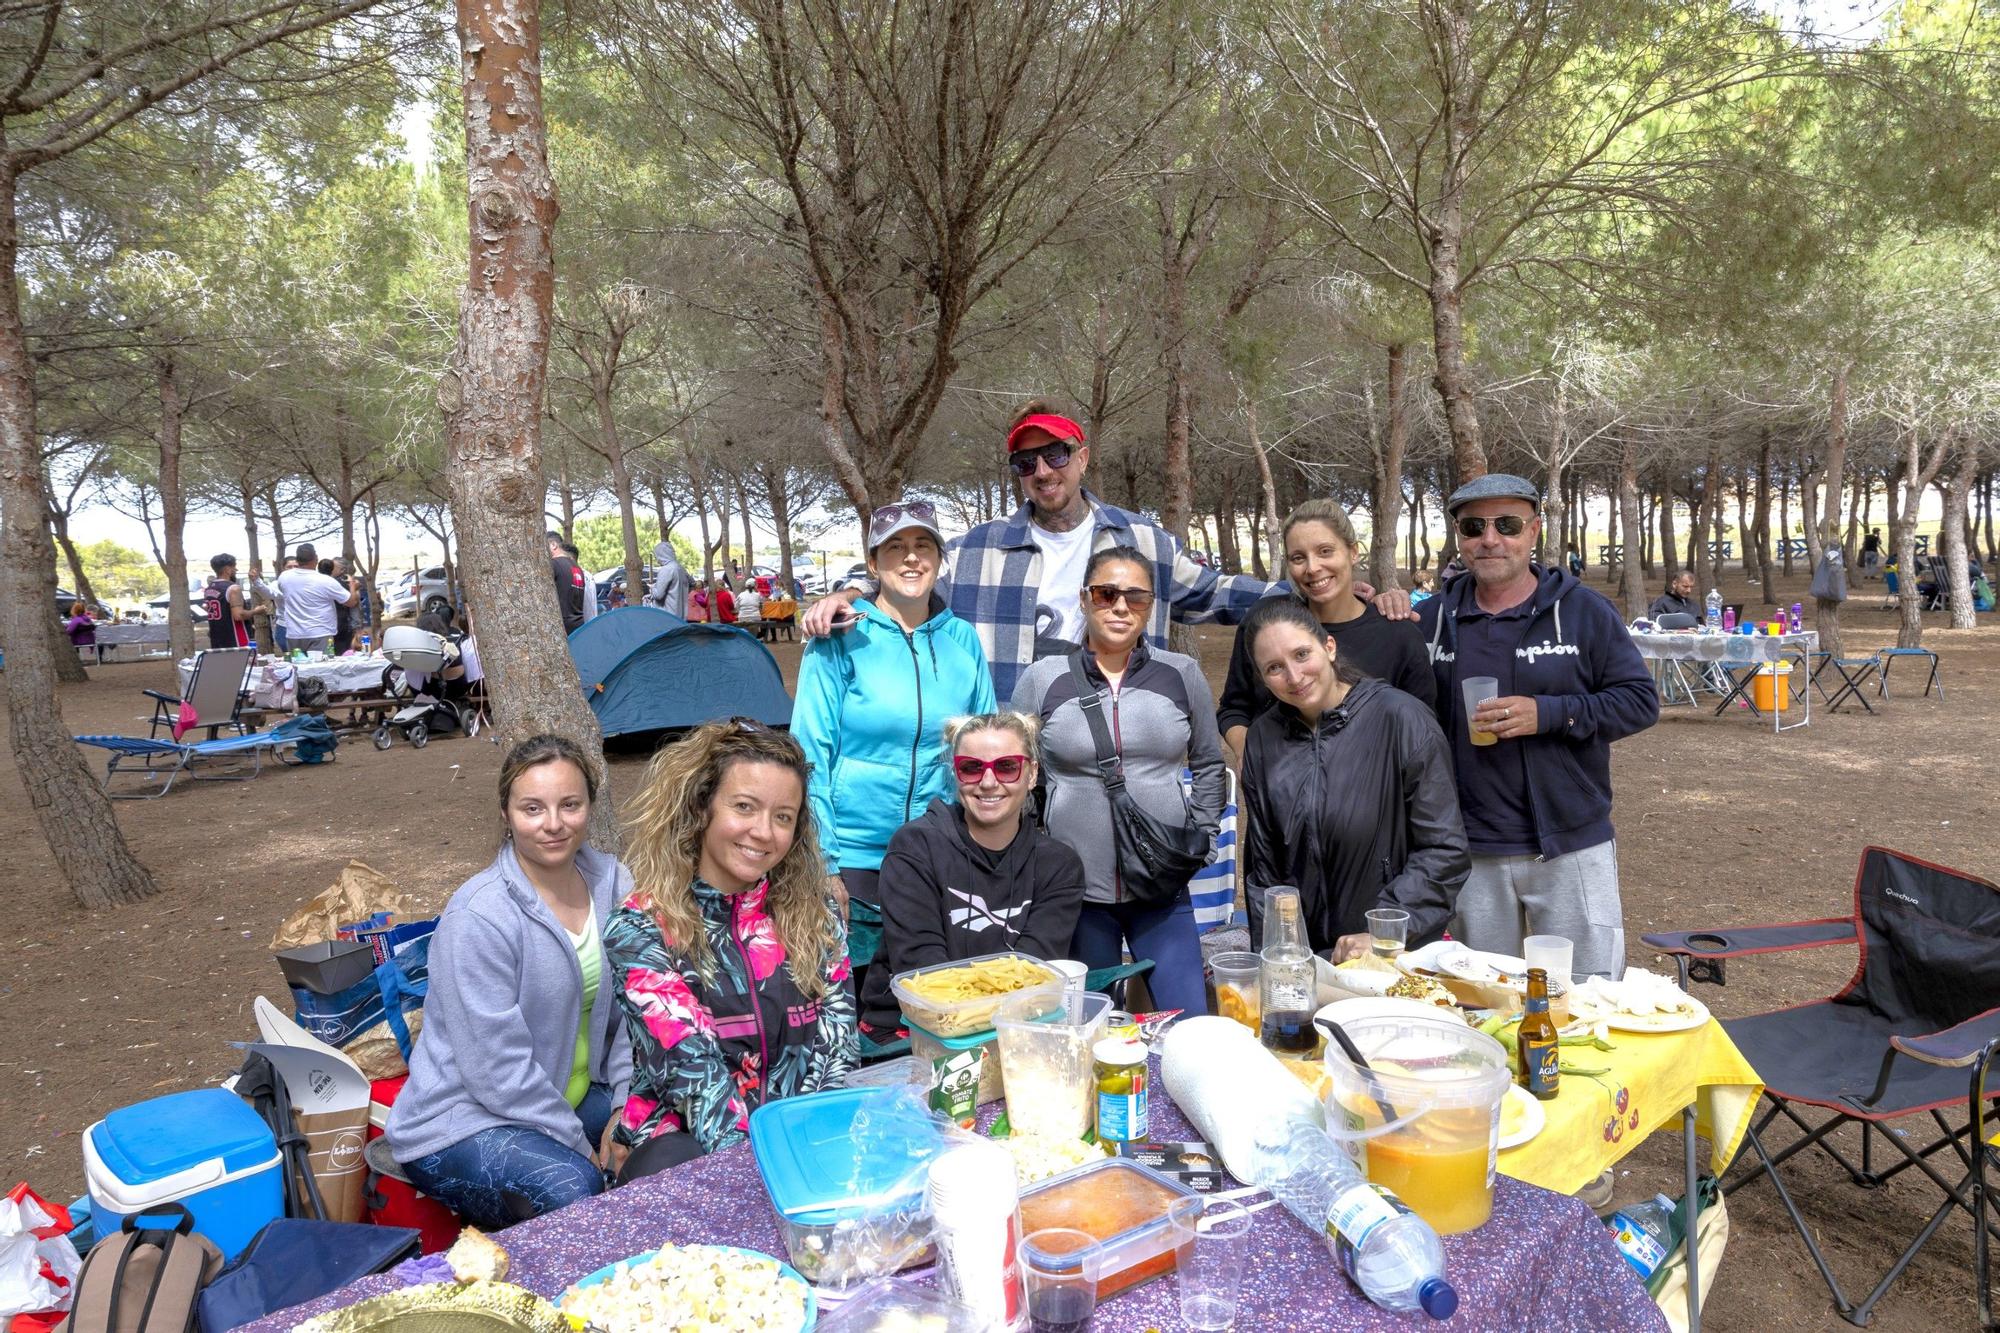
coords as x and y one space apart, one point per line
1508 525
1104 596
1055 455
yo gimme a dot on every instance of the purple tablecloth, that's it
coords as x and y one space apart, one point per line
1543 1262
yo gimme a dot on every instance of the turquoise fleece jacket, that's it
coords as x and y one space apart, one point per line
871 708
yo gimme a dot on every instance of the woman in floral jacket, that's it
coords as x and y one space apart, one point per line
731 965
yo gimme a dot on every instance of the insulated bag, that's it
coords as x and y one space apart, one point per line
294 1260
144 1279
1155 859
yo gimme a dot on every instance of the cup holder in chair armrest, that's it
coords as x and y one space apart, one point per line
1708 942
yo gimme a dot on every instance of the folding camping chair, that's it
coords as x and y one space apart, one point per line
1898 1041
1888 656
170 759
1853 673
214 692
1670 673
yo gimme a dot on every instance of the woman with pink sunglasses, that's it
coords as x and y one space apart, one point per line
971 876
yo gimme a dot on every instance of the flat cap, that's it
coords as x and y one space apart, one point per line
1494 486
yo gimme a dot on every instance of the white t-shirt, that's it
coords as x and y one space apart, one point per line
1064 557
310 599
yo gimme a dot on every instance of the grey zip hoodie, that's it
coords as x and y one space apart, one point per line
670 581
500 1021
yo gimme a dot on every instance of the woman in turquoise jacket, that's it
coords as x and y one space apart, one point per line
871 709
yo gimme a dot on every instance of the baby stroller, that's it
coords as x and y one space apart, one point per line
417 660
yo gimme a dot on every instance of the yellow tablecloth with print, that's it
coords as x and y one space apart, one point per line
1650 1078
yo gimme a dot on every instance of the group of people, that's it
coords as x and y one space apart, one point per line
315 605
590 1019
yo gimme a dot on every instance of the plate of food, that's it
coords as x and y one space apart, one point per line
1366 975
1521 1117
693 1289
1640 1001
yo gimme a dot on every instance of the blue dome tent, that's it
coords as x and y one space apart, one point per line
647 670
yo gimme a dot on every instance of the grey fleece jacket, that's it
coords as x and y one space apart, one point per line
1162 719
670 581
500 1022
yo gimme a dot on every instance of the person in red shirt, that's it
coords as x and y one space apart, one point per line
724 602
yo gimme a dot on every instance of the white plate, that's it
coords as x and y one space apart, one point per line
1365 1007
1657 1023
1533 1118
1452 958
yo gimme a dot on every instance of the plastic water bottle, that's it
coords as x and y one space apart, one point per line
1798 620
367 644
1641 1232
1728 620
1714 617
1389 1252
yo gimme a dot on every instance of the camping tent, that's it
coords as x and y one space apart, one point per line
648 670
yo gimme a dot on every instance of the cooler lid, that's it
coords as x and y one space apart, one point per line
843 1153
168 1135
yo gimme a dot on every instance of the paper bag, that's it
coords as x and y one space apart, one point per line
359 893
330 1104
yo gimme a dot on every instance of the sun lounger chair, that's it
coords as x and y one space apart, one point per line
1913 1034
214 692
240 758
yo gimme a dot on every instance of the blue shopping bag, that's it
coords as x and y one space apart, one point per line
394 990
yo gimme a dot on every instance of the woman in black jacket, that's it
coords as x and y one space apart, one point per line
1348 788
972 877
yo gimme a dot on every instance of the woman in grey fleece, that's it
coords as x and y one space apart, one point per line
523 1060
1162 719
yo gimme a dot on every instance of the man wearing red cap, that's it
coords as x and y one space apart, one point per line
1019 579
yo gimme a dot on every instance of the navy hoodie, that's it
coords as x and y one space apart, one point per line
1590 688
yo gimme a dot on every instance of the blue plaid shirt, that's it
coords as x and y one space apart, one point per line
995 575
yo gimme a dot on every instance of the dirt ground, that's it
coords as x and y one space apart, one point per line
1719 822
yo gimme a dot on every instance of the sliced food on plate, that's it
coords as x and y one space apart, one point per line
693 1289
1640 1001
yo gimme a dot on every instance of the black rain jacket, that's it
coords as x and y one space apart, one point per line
1356 812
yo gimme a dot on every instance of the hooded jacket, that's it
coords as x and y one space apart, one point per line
500 1021
945 897
1590 686
870 714
705 1052
1358 810
670 581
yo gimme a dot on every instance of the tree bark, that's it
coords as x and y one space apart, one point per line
1631 585
1957 502
1785 519
1917 475
1760 528
1388 498
1669 556
173 510
1446 240
492 395
75 815
1826 613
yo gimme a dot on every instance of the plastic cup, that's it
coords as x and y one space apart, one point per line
1071 972
1551 953
1059 1267
1045 1038
1211 1243
1236 981
1476 690
1388 930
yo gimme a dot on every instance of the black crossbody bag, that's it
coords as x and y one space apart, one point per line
1155 859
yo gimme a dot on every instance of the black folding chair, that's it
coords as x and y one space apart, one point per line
1853 673
1914 1032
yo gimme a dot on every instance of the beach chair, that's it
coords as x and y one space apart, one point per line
214 692
1912 1036
151 761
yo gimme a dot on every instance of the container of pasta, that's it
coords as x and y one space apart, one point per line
959 999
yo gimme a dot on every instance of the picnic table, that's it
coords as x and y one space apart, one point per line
1542 1261
355 700
1728 664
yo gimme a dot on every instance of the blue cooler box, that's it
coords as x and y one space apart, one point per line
206 1150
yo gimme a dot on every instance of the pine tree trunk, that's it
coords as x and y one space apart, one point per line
1957 502
1669 555
1826 612
1387 501
1761 524
75 815
1632 585
492 394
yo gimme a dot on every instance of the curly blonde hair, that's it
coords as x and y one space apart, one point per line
670 816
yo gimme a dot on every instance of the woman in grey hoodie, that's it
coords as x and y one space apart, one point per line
523 1061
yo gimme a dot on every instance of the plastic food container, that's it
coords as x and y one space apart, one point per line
1046 1037
846 1172
1124 1205
889 1306
1426 1121
928 1046
960 1018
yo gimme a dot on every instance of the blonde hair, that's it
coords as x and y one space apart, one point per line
1328 512
669 818
1024 725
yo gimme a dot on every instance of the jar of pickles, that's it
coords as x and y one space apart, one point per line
1120 1066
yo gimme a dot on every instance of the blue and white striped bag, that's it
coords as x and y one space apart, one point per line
1213 887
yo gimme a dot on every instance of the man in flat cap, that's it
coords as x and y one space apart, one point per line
1534 758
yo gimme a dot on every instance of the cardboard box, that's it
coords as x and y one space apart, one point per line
330 1102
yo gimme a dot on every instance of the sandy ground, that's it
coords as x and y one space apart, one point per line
1719 822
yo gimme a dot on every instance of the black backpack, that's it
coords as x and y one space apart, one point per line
143 1279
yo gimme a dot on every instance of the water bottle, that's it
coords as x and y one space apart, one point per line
1388 1251
1714 617
1728 620
1797 622
367 644
1641 1232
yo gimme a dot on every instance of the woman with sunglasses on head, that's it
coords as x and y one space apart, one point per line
1321 552
1160 717
870 715
971 877
730 965
1348 786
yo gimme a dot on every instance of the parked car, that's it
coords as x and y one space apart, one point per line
417 591
99 612
856 577
805 572
156 610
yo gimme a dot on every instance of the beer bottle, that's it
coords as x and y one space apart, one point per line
1538 1042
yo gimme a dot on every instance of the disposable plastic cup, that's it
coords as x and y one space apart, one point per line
1551 953
1424 1120
1476 690
1072 973
1060 1268
1388 930
1045 1038
1236 981
1211 1244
